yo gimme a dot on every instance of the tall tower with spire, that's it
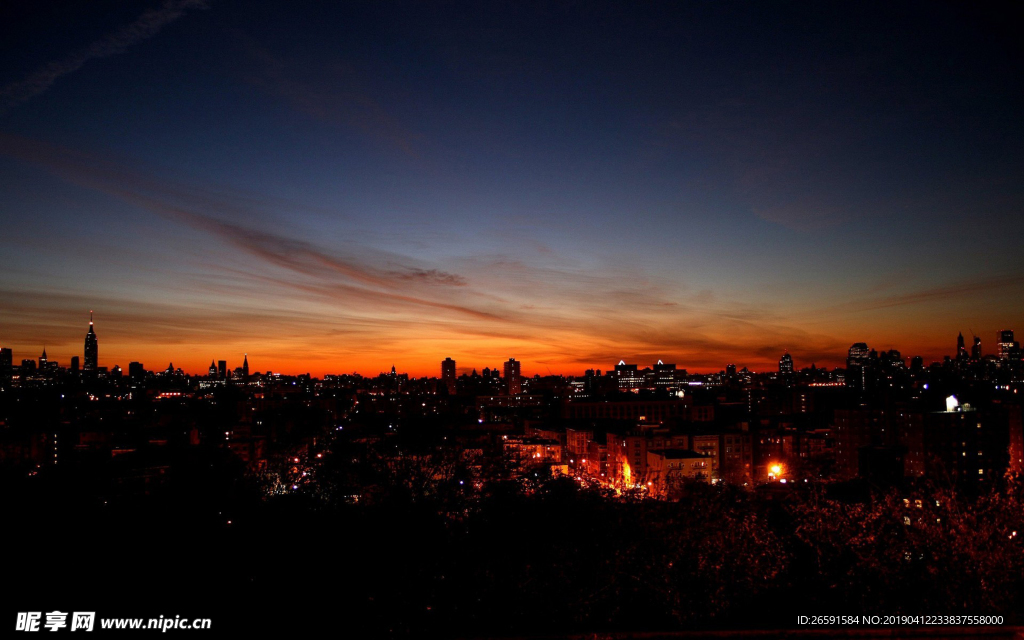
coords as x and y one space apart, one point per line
43 360
961 349
245 368
91 349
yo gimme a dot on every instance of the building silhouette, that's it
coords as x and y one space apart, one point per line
1008 348
786 364
91 349
6 362
858 366
513 380
448 375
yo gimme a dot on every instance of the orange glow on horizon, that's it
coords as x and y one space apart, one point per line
417 358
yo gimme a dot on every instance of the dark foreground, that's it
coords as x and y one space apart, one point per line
548 560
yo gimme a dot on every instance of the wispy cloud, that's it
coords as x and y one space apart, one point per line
961 289
364 272
148 25
330 93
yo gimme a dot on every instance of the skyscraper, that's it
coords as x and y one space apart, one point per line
664 374
245 368
512 379
628 375
1006 344
448 375
858 354
961 349
91 350
858 369
43 360
213 369
976 349
786 364
222 369
6 362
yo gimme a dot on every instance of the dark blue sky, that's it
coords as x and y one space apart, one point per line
336 186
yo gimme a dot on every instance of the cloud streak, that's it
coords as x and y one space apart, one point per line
548 310
146 26
956 290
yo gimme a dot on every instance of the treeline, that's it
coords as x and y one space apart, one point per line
526 559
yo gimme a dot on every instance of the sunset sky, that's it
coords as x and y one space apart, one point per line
339 187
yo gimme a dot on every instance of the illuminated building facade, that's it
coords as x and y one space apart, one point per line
628 376
1008 348
786 364
668 469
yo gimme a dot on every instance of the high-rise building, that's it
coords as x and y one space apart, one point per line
664 374
213 369
858 354
858 369
786 364
43 361
6 362
245 368
136 370
1006 346
75 364
976 349
222 369
91 349
961 349
448 375
513 381
628 376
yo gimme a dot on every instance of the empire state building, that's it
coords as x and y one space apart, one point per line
91 348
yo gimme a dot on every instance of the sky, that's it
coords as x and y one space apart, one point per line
339 187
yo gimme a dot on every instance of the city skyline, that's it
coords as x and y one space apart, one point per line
573 186
448 362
